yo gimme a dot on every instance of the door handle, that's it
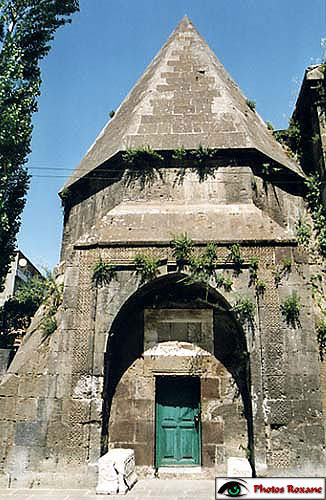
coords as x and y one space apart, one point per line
197 419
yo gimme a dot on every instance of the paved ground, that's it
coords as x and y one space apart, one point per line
148 489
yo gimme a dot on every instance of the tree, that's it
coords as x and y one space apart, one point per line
26 29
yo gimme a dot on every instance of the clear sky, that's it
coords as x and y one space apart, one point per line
264 44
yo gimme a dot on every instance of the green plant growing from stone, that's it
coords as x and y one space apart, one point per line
143 166
179 154
291 138
48 325
303 231
65 196
286 264
260 287
253 270
270 126
317 209
201 162
282 270
315 139
52 302
266 169
246 450
147 267
202 267
235 256
244 309
290 309
224 281
251 104
103 273
321 338
321 93
182 248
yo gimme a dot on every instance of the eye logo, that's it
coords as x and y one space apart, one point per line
233 489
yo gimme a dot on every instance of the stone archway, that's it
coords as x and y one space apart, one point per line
133 419
182 317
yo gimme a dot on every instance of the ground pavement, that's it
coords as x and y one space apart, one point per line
147 489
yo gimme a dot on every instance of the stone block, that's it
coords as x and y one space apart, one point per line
63 385
116 472
145 408
276 386
26 408
209 455
30 434
75 411
144 431
280 412
210 388
122 430
212 432
9 385
144 454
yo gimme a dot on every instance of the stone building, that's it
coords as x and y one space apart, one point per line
186 361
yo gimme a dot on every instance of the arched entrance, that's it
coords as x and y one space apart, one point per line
177 378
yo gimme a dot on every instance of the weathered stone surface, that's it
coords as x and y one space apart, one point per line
239 467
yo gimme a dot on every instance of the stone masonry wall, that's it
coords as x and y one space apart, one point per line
132 419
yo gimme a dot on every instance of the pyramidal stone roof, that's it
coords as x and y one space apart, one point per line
184 98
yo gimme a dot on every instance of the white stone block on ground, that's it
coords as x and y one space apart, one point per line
239 467
116 472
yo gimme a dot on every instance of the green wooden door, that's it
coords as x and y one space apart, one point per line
177 421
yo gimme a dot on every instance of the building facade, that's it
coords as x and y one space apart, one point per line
188 358
21 271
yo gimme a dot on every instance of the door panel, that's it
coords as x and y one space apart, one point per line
177 433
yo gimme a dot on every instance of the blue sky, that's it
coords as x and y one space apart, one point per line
264 44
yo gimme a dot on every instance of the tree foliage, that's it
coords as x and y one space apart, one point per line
26 29
17 312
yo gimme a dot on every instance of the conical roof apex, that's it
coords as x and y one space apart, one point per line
184 98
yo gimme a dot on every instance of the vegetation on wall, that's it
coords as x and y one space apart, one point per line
182 248
253 270
317 210
251 104
321 338
244 309
224 281
202 267
303 231
290 309
142 165
201 162
291 139
236 257
282 270
260 287
146 267
103 272
65 196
